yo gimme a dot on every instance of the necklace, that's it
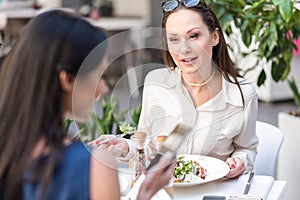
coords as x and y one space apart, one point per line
199 84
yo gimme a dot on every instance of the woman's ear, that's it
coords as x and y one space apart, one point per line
66 81
216 37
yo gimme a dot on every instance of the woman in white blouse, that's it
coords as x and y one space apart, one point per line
200 88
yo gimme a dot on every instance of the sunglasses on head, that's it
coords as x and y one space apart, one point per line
170 5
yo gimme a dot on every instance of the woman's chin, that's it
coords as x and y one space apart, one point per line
188 69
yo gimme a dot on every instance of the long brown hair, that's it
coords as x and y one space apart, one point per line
31 94
220 53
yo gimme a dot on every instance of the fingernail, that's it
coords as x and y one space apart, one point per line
97 142
232 166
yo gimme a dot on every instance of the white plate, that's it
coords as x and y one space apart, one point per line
216 169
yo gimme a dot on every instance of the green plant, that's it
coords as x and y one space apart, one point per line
127 128
111 121
267 26
135 115
295 91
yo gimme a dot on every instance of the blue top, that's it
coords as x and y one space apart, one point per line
71 179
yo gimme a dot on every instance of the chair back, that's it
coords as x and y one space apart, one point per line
270 140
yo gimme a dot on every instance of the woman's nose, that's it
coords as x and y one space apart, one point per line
185 47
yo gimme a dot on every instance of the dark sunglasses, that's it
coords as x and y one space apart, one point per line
170 5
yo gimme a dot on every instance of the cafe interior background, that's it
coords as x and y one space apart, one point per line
117 16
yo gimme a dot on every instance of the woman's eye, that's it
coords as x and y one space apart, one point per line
194 36
174 40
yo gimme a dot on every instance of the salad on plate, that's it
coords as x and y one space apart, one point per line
187 170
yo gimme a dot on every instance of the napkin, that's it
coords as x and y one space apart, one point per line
160 195
124 185
260 185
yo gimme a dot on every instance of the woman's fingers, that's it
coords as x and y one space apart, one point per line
237 167
117 146
163 170
100 140
118 149
231 163
165 165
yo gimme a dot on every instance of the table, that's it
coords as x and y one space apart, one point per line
227 187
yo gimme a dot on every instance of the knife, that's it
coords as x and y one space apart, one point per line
246 190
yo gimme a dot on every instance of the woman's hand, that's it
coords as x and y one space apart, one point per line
237 167
160 174
116 146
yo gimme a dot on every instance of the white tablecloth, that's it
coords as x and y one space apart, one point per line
263 186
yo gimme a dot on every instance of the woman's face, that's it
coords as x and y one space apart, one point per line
87 89
189 40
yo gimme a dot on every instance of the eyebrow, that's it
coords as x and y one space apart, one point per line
175 34
194 29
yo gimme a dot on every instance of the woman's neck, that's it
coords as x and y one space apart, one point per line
199 78
206 92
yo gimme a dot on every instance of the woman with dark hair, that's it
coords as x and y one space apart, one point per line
200 83
38 89
195 51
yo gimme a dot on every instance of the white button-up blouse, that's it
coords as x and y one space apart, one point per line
222 127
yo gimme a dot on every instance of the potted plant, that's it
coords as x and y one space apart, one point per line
111 121
261 34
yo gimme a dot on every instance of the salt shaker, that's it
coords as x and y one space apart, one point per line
140 158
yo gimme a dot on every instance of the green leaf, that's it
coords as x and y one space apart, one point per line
101 127
286 72
247 37
285 9
67 123
295 91
78 134
135 114
278 2
127 128
98 123
278 68
256 6
108 121
273 37
261 78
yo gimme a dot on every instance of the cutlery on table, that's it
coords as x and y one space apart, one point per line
248 184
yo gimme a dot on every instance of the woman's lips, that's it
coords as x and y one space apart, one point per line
188 61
